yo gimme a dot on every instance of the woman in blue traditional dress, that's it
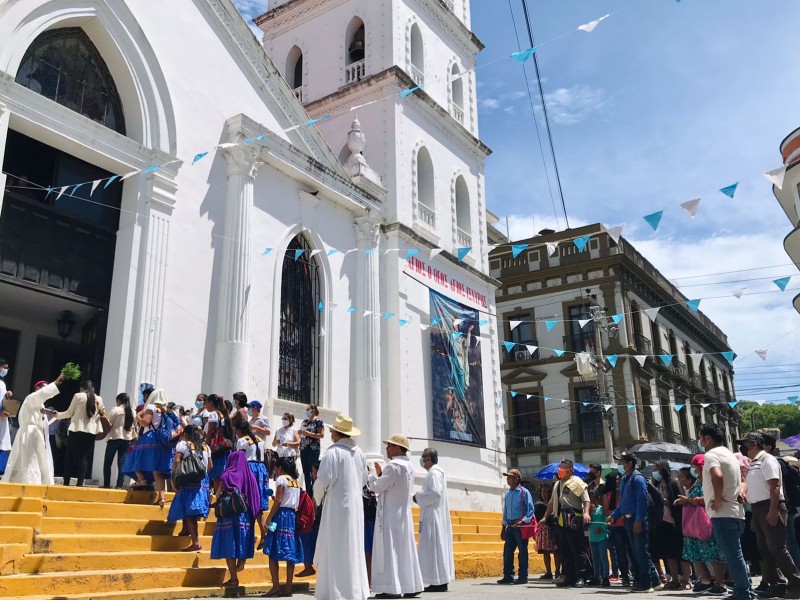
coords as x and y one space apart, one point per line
233 537
149 458
217 428
191 501
282 542
254 449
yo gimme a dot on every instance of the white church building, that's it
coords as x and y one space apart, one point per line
173 213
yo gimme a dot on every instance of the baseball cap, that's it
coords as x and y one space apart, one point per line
627 456
254 404
752 437
514 473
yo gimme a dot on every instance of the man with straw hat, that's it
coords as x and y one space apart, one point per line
340 546
395 565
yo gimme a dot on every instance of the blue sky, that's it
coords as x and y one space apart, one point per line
663 102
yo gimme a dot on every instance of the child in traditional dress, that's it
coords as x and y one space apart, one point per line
191 501
254 449
282 542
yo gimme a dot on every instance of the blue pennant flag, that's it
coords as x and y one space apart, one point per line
412 252
580 242
369 251
781 283
436 321
547 398
352 309
500 400
733 404
694 305
792 399
631 406
298 253
513 394
483 322
728 356
266 251
517 249
408 92
403 322
199 156
617 318
457 334
612 359
730 190
388 316
559 353
523 55
666 359
151 169
254 139
111 180
75 189
585 403
310 122
550 325
509 346
321 306
332 251
653 219
49 191
678 407
462 253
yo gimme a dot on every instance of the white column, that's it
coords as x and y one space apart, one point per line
368 340
232 350
5 115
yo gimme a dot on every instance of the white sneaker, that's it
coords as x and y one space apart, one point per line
658 588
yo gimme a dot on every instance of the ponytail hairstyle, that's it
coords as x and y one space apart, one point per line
219 406
91 400
244 428
125 402
194 435
288 466
241 399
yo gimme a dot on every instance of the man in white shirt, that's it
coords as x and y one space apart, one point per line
765 495
722 493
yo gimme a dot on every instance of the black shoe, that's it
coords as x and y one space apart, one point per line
773 591
701 587
520 581
579 584
592 582
625 582
564 584
506 581
716 590
546 576
762 587
436 588
387 596
606 583
414 595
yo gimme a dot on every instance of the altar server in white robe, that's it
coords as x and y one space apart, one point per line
30 460
5 421
435 530
341 477
395 565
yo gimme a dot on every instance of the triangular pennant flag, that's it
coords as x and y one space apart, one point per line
462 253
321 331
608 407
640 358
653 219
298 253
509 346
483 322
332 251
369 251
653 407
547 398
403 322
457 322
477 340
532 349
111 180
652 313
411 252
559 353
738 293
589 27
199 156
678 407
666 359
388 316
314 252
513 394
514 324
49 191
127 175
151 169
517 249
311 122
266 251
730 190
95 183
500 400
457 334
762 353
584 322
612 359
697 357
436 252
617 318
760 402
227 145
368 313
614 232
631 406
550 325
523 55
436 321
386 252
776 176
552 248
694 305
733 404
705 405
781 283
792 399
585 403
61 192
254 139
728 356
321 306
423 326
352 309
691 206
580 242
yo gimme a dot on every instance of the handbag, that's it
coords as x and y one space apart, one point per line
105 427
230 504
191 470
219 443
527 530
696 523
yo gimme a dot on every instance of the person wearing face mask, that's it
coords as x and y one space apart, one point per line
765 495
258 422
240 408
517 509
5 425
312 430
570 506
666 538
196 418
594 479
286 439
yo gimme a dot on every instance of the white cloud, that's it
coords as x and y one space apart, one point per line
251 8
568 106
489 104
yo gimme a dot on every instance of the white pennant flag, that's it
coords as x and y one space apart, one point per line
691 207
321 331
423 327
762 353
654 407
457 322
696 358
94 186
477 340
532 349
552 248
615 232
436 252
738 293
131 174
584 322
705 405
652 313
385 252
231 144
589 27
776 176
760 402
313 253
608 406
367 313
61 192
640 358
563 401
514 324
797 209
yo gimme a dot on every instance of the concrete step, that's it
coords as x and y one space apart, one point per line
18 504
59 543
78 494
20 519
103 510
16 535
120 526
176 593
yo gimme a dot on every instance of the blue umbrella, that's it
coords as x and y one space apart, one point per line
547 473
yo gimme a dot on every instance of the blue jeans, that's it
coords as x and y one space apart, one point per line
791 538
728 533
646 576
618 539
515 542
600 559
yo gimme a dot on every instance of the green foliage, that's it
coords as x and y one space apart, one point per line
785 417
71 371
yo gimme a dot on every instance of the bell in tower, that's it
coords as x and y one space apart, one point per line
356 49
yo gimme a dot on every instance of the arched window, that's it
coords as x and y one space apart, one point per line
463 221
298 374
65 66
356 51
457 94
417 52
425 197
294 71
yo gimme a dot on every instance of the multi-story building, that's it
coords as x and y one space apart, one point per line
555 412
788 196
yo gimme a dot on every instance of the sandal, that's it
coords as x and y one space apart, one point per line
260 544
231 583
193 548
274 592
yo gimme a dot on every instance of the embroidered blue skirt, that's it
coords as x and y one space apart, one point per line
369 535
233 538
220 462
4 454
259 470
283 544
147 456
190 501
309 543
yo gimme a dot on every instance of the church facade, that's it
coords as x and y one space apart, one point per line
172 214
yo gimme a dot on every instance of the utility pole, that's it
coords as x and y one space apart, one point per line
601 324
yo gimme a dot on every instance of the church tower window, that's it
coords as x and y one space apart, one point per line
417 55
65 66
299 362
355 55
457 94
463 220
294 71
425 194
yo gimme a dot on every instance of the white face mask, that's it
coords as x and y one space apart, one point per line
285 422
4 372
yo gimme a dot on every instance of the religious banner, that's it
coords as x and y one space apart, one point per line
456 373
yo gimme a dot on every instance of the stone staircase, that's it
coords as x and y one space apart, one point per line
81 543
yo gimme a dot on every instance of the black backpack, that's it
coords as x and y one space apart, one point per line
191 470
791 484
655 503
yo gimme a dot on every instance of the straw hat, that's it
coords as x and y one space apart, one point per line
398 440
158 397
344 424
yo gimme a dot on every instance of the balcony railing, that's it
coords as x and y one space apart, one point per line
427 215
696 381
518 439
586 433
680 370
520 354
458 113
416 74
579 342
464 238
355 71
643 345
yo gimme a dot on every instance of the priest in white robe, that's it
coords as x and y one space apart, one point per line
395 565
5 422
30 460
435 529
341 477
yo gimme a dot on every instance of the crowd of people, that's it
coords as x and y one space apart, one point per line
704 528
